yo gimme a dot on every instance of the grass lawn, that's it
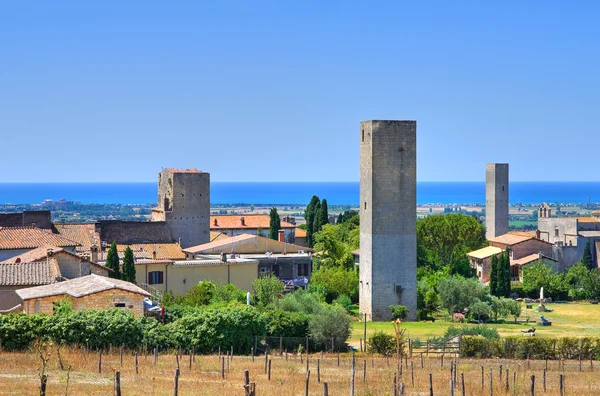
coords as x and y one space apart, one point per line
568 320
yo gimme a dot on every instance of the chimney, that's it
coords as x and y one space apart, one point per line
154 255
281 236
49 252
215 223
243 221
538 234
94 253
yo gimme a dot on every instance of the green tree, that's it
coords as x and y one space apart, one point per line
538 275
200 294
274 224
112 262
457 293
316 224
335 244
446 239
267 290
336 281
481 309
346 215
323 214
506 275
591 284
128 265
309 216
494 275
587 257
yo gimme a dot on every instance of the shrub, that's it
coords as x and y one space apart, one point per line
267 290
227 294
200 294
399 311
292 326
332 323
19 331
344 301
473 346
382 343
155 334
336 281
479 330
301 301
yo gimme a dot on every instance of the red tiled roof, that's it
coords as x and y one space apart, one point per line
80 287
300 233
29 274
170 251
253 221
31 238
37 254
84 234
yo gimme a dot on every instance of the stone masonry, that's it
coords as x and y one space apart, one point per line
184 203
496 200
388 242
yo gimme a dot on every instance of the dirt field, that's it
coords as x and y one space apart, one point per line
19 375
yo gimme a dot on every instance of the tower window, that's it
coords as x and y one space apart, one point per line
502 188
365 205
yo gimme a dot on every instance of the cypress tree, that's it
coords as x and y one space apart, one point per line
128 265
493 276
274 224
316 225
507 274
309 215
112 262
323 214
587 257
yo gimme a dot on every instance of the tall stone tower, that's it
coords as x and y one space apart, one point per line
388 217
496 200
184 203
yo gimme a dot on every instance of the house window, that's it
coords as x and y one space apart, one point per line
556 232
303 269
120 305
155 278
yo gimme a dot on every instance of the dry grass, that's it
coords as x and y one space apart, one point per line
19 375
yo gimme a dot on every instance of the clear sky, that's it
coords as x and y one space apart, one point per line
275 91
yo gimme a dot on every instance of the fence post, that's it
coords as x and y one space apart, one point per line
562 385
246 383
364 371
532 390
325 389
462 381
318 370
176 383
307 383
430 384
352 373
269 371
136 363
117 383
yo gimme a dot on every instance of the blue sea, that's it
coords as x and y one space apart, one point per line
336 193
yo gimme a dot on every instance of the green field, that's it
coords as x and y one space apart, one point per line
568 320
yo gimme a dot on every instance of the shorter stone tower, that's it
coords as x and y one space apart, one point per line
184 203
496 200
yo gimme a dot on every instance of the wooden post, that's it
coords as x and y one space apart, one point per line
307 383
427 348
500 373
482 379
280 346
364 371
176 383
462 381
307 366
228 360
430 384
177 360
252 351
44 381
191 358
442 360
136 363
361 347
223 367
100 362
579 361
491 382
507 386
451 387
422 360
231 354
267 360
307 347
246 383
117 383
325 389
352 374
412 374
561 385
269 371
402 389
544 380
319 370
395 384
514 382
338 355
532 389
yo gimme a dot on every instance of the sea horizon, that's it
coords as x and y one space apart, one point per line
295 193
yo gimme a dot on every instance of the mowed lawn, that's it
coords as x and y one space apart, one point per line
568 320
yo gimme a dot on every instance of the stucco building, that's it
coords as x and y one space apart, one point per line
233 225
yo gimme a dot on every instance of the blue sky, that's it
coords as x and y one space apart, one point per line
275 91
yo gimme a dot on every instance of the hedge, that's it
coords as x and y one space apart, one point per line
531 347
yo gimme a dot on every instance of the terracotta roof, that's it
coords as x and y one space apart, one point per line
31 238
484 252
171 251
29 274
511 238
251 221
300 233
80 287
223 243
596 212
37 254
190 170
84 234
530 259
211 262
216 235
588 220
527 234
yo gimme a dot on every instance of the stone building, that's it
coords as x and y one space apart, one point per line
88 292
284 260
569 235
496 200
388 242
233 225
184 203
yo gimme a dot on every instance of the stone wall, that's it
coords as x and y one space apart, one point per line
38 218
387 217
127 232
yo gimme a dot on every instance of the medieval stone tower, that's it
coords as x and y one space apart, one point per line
388 217
496 200
184 203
